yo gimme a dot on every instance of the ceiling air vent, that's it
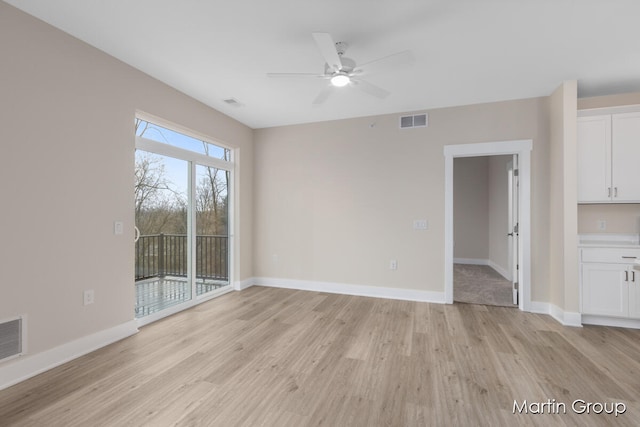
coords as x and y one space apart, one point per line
233 102
10 338
417 121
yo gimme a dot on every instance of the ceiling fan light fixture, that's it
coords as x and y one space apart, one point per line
340 80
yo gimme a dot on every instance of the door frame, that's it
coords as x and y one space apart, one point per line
523 149
510 222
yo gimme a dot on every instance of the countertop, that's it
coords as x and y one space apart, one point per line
609 241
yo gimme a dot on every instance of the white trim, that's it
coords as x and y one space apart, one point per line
566 318
608 110
471 261
350 289
589 319
181 153
622 239
233 213
244 284
180 129
523 149
500 270
488 148
31 365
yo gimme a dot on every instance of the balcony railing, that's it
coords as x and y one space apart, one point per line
160 255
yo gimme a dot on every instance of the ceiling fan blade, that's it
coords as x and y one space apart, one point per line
391 61
323 95
328 49
367 87
295 75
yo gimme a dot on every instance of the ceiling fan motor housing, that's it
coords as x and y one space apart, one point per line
348 66
341 48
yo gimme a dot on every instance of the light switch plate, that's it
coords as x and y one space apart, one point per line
118 227
420 224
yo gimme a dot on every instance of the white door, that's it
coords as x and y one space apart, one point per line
513 225
594 159
625 155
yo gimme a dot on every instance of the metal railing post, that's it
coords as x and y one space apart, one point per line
161 255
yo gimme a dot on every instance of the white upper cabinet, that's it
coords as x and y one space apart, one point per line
594 159
626 157
609 158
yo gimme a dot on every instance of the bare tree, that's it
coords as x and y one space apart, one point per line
212 198
160 208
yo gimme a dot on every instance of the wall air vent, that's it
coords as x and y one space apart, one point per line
10 338
416 121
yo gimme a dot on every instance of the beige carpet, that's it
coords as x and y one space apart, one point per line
481 284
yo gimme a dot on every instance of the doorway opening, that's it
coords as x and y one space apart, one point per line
485 230
520 152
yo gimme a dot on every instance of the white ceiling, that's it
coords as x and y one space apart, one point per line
466 51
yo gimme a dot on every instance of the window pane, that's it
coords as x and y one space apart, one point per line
160 134
161 206
212 225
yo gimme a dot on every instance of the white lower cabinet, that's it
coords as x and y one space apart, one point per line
634 296
610 284
605 292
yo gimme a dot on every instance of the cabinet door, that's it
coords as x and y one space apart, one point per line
594 159
634 293
605 291
626 157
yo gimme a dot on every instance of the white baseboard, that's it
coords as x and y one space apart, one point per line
27 366
349 289
243 284
589 319
566 318
471 261
502 271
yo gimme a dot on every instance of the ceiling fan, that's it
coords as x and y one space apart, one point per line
341 71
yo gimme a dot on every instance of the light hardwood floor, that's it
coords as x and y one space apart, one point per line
279 357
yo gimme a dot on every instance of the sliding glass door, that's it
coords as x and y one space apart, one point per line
183 223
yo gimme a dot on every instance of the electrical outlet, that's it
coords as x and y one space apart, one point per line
393 265
89 297
602 225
